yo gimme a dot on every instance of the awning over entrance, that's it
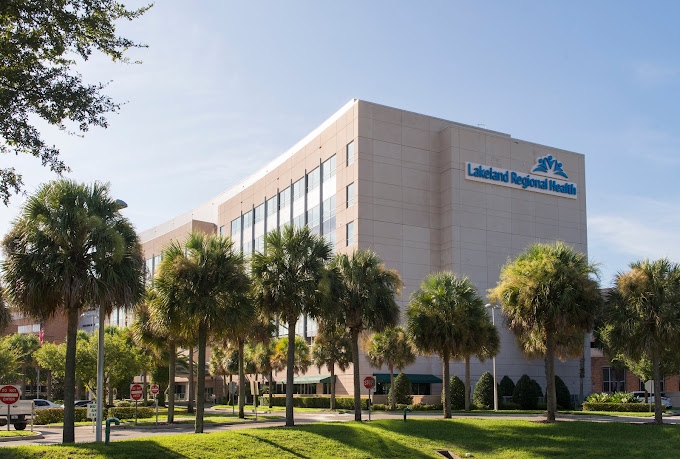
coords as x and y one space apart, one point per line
415 379
309 379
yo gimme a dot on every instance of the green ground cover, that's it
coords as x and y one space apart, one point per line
265 408
393 438
182 418
16 433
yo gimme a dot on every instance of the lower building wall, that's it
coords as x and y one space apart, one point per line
632 382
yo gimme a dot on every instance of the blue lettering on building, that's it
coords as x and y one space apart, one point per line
526 181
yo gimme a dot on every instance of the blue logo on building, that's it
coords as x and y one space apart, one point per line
549 166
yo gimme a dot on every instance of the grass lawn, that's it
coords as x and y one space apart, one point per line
392 438
182 418
265 408
16 433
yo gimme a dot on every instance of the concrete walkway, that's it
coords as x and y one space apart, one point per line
52 434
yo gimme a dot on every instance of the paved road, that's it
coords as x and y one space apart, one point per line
84 434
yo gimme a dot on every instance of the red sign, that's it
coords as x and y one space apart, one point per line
369 382
154 389
136 391
9 394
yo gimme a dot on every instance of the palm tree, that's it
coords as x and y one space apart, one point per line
5 315
70 248
204 276
642 321
438 324
218 365
263 356
367 300
549 302
292 280
390 347
302 358
332 347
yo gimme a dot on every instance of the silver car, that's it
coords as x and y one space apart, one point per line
665 401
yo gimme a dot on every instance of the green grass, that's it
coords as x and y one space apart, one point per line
393 438
16 433
182 418
265 408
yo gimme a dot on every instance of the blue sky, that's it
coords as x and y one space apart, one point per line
227 86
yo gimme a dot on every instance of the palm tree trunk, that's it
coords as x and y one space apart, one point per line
447 394
241 382
467 383
190 392
332 368
357 375
171 383
271 386
393 393
290 368
146 396
70 375
550 376
657 387
200 400
231 393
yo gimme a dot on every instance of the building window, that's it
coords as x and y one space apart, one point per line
328 168
285 198
350 233
247 220
350 194
663 385
350 153
313 180
613 380
259 244
35 328
236 230
222 230
299 189
420 388
314 219
259 213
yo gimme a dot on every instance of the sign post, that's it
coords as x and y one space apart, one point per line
649 387
255 390
92 413
136 393
8 395
154 391
369 383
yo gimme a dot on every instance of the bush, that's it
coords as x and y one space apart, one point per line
507 387
537 387
510 406
483 394
403 390
426 407
456 393
341 403
56 415
380 407
128 412
636 407
526 394
562 394
616 397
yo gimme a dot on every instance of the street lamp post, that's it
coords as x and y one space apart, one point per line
495 384
100 361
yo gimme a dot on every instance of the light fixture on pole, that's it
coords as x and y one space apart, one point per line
100 361
495 384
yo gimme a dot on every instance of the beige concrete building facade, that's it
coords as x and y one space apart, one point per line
426 194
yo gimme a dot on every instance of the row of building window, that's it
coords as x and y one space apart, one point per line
614 380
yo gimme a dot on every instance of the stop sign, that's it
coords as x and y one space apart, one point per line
154 389
9 394
369 382
136 391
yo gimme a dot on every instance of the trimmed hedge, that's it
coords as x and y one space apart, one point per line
403 390
526 393
126 412
341 403
634 407
55 415
506 387
456 393
483 393
562 394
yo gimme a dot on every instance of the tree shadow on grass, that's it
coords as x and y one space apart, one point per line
115 450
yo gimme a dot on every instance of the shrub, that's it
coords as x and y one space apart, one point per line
562 394
525 393
403 390
510 406
456 393
635 407
537 387
56 415
128 412
342 403
426 407
380 407
483 394
506 387
616 397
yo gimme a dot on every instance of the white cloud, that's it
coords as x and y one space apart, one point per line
641 239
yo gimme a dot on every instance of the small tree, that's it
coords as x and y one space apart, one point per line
525 393
483 395
10 362
392 348
507 387
456 393
402 390
332 347
563 395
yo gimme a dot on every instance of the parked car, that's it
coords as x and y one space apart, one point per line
665 401
83 403
41 404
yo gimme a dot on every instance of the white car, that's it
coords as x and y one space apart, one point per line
665 401
41 404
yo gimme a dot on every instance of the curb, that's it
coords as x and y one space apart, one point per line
37 435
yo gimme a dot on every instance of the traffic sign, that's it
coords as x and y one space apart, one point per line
155 389
136 391
9 395
92 411
369 382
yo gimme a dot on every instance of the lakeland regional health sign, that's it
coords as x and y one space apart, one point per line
546 176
